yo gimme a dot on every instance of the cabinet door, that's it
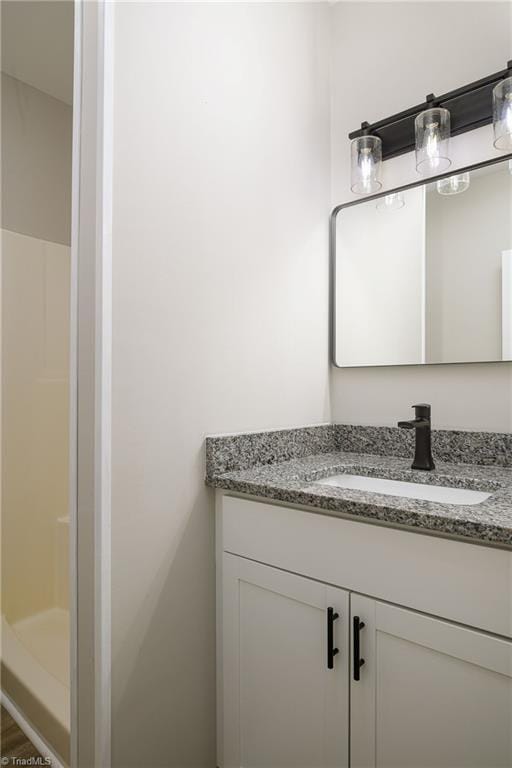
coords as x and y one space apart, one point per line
430 695
283 706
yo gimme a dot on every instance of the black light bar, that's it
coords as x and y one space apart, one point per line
470 107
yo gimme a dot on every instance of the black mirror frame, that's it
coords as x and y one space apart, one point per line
332 259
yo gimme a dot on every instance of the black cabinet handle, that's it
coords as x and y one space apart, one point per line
358 661
331 650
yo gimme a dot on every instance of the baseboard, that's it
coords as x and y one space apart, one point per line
30 732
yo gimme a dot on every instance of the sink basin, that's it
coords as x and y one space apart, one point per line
438 493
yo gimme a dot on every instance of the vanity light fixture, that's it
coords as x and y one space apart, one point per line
366 164
427 127
432 131
502 114
453 185
392 202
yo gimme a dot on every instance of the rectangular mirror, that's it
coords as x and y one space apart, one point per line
424 274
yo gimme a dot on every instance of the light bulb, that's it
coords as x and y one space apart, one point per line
366 167
432 129
502 114
432 141
508 112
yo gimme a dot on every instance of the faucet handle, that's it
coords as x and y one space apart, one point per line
422 410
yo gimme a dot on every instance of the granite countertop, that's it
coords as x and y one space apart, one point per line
294 481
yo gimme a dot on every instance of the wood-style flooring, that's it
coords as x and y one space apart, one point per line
14 743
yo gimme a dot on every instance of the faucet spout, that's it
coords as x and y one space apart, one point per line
414 424
423 449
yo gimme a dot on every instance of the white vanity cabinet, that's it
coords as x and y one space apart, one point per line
431 694
285 701
432 691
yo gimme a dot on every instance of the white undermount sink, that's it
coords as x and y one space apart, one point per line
438 493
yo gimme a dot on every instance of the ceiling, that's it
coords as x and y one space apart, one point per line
37 44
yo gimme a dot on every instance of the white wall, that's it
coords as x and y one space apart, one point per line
36 161
387 56
220 318
37 45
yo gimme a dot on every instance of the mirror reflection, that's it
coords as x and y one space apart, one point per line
425 275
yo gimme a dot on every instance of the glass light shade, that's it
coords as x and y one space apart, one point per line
432 129
502 114
453 185
391 202
366 165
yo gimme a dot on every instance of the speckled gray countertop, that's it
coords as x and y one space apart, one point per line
294 481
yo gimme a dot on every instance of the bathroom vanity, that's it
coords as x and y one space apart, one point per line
358 627
364 604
